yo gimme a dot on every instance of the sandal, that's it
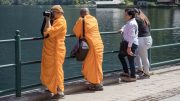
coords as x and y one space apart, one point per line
58 96
99 87
96 87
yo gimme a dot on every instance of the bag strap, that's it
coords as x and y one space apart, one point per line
83 26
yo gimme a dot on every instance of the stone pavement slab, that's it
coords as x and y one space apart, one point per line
174 98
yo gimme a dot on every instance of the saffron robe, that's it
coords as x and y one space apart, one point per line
53 55
92 65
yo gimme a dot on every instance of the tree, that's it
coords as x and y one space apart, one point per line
6 2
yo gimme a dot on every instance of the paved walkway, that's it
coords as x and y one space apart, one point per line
164 84
174 98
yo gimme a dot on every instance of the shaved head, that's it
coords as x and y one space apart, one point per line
84 11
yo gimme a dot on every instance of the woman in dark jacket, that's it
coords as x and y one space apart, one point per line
145 42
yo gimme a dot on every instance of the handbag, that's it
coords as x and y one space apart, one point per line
81 48
123 48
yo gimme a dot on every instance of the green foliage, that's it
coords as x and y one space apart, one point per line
76 2
6 2
48 2
129 2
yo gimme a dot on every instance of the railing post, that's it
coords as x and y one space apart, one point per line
18 63
149 56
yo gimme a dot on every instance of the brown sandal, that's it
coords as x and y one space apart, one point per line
59 95
95 87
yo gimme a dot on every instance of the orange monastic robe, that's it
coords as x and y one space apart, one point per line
53 54
92 65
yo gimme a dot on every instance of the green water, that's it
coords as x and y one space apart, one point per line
28 20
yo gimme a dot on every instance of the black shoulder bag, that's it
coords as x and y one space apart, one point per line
81 48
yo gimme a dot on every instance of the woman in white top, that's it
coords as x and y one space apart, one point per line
128 45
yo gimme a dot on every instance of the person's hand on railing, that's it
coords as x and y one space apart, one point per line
120 31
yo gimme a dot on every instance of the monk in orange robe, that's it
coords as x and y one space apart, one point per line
53 53
92 65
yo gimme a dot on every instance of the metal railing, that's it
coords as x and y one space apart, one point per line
19 63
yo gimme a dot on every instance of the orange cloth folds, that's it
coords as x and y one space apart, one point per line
92 65
53 55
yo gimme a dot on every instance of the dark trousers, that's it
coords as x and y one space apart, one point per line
122 56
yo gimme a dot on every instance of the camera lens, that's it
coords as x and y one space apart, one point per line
47 13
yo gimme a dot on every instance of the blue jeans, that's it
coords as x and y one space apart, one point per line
130 60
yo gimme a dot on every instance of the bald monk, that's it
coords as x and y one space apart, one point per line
53 53
92 65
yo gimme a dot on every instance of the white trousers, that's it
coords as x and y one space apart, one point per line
141 60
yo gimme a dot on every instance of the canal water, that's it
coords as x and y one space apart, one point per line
28 20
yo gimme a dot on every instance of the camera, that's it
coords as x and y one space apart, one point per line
48 13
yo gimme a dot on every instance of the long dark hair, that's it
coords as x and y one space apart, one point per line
130 12
143 17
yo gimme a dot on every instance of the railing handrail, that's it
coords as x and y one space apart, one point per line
19 63
107 52
161 29
72 35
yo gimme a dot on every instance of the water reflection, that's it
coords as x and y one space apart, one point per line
105 17
29 18
176 23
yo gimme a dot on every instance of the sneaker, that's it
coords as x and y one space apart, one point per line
139 72
144 76
124 75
